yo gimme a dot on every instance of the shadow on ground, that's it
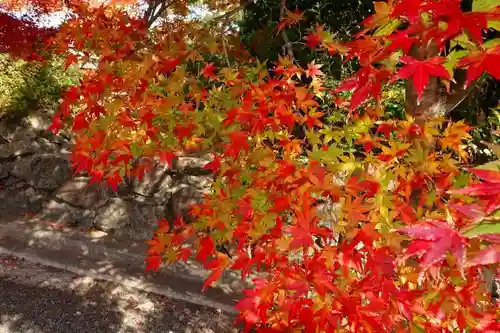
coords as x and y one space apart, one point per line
115 259
69 304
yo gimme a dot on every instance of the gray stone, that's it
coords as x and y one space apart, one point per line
23 134
63 213
45 171
39 121
9 129
189 162
20 198
78 192
18 148
328 213
189 191
127 218
113 215
51 145
11 180
155 184
4 173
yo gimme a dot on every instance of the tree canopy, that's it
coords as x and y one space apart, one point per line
346 217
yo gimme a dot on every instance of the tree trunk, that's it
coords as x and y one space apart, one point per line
435 100
432 102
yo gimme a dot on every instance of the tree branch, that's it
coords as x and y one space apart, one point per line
155 10
229 14
454 100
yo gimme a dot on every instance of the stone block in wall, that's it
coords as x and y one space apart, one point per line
65 214
43 171
156 184
77 192
127 218
18 148
187 190
18 198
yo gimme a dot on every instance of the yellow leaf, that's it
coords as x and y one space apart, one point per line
283 244
171 254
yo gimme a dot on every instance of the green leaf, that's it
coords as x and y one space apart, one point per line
392 61
491 43
259 201
313 137
494 25
453 58
270 135
483 229
417 329
329 156
461 180
329 135
483 5
104 123
463 41
388 28
245 177
431 197
135 149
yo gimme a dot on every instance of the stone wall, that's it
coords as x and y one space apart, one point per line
36 181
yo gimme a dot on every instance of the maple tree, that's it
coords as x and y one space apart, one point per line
413 229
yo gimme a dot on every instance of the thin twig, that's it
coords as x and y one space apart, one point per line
455 99
225 51
288 45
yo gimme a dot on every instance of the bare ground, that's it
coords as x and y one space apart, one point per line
39 299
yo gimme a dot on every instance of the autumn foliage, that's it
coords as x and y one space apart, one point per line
410 228
22 38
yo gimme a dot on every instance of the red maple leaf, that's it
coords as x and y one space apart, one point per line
473 23
490 255
314 38
217 266
153 262
214 165
207 248
114 180
400 40
185 253
70 59
96 176
433 239
488 190
56 124
306 225
184 131
80 122
368 81
169 65
313 70
480 62
168 157
280 203
290 19
209 71
421 70
239 142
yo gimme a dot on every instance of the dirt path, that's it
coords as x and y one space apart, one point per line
38 299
